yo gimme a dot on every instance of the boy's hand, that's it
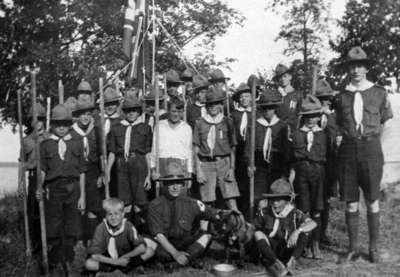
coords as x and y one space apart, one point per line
81 204
154 174
230 175
121 262
292 241
250 171
181 258
147 183
201 178
100 181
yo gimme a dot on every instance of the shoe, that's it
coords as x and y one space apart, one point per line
350 256
291 264
140 270
374 256
278 269
307 253
316 252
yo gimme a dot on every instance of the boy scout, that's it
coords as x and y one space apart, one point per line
361 109
214 143
85 132
63 171
282 230
309 156
196 108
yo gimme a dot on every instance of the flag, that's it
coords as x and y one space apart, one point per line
133 10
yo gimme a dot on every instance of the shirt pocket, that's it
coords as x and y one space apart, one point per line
222 132
371 116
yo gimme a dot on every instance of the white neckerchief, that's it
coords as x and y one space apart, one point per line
107 122
243 120
84 134
112 246
288 208
128 132
62 146
324 121
267 146
310 135
358 105
202 107
212 132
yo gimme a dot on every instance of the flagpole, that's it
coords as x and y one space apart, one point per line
252 148
60 92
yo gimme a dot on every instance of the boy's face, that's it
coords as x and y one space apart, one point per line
279 204
175 189
201 96
150 107
245 99
85 118
214 109
40 125
174 114
132 115
61 128
115 215
285 80
358 72
111 108
326 102
311 121
173 91
268 112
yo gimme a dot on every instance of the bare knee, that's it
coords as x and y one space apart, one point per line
352 207
91 215
91 265
373 207
258 235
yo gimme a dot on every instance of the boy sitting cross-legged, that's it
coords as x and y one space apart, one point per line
116 244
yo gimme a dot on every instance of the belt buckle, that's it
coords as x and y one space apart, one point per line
132 155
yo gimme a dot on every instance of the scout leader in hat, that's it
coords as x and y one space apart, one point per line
112 101
281 224
187 79
325 94
84 91
362 107
149 99
242 114
196 108
173 83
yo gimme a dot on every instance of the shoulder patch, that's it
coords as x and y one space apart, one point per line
201 205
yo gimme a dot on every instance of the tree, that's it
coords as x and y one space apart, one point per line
75 39
375 26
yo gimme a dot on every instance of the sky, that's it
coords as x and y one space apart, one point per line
254 45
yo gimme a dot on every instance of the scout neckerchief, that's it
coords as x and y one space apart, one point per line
112 246
62 146
107 123
151 121
243 120
128 132
211 137
267 145
286 210
358 105
84 134
310 135
202 107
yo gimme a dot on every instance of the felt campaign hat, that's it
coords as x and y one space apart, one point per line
173 77
71 103
310 105
187 75
242 88
253 79
280 188
150 95
356 55
323 89
269 97
111 95
131 101
199 82
61 112
217 75
281 69
41 111
83 105
174 172
84 87
214 94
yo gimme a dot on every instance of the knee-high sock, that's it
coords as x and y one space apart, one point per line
266 251
373 229
195 250
324 220
316 233
352 229
91 224
300 246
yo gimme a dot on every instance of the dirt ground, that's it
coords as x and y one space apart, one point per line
13 261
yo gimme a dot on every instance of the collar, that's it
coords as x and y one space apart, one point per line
284 213
364 85
243 109
117 231
82 132
57 138
137 121
214 120
265 123
198 104
313 129
114 115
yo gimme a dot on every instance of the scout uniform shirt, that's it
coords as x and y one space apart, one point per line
289 109
193 112
242 124
309 145
89 140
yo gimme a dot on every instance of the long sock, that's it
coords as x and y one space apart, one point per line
267 253
68 248
324 220
195 250
91 225
373 229
300 246
135 261
352 229
315 235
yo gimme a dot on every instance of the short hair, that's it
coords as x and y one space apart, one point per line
176 101
112 202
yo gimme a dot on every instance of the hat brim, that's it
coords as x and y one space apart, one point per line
278 75
282 195
196 89
112 100
58 120
82 110
311 112
347 63
131 107
215 100
187 79
219 79
324 95
269 104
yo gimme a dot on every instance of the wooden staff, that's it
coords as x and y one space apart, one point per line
228 105
184 103
157 135
103 139
39 182
314 80
22 180
60 92
48 110
252 148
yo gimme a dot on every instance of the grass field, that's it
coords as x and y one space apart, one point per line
13 261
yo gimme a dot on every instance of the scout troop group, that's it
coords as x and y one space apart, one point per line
304 146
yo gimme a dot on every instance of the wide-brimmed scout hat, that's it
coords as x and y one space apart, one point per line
150 95
253 79
242 88
83 105
310 105
217 76
214 95
281 69
84 87
187 75
323 89
199 82
280 188
61 112
71 103
174 172
131 101
111 95
40 110
269 97
173 77
356 55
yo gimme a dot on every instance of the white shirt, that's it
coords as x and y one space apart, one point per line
175 142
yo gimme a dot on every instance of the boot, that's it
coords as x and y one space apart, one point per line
373 230
278 269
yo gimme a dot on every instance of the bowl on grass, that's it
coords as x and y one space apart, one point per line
224 270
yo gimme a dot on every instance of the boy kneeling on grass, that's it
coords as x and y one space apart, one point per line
116 244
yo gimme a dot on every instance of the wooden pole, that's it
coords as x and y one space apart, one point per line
48 110
252 148
314 80
22 181
103 139
45 262
60 92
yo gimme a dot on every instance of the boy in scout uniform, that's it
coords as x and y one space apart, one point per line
63 170
361 110
197 108
84 131
308 149
173 83
129 147
214 143
281 229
